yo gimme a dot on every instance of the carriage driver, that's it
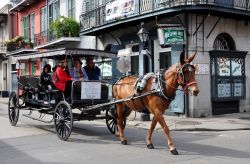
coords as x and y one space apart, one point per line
90 71
63 81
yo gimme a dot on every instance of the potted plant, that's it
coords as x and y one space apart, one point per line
65 27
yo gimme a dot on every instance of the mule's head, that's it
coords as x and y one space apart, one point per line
186 75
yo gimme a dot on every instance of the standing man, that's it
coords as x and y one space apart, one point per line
90 71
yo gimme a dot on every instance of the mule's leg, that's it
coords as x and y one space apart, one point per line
161 120
119 108
150 132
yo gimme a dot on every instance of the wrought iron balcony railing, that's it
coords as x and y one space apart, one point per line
44 37
97 16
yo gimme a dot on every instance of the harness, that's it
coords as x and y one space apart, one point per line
161 84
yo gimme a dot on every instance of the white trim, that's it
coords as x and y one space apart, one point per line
62 39
21 51
17 5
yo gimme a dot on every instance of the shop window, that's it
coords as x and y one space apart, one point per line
228 75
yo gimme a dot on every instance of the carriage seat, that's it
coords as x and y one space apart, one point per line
34 84
23 83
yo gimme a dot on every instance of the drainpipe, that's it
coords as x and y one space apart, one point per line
186 99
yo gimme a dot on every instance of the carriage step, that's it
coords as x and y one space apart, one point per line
38 119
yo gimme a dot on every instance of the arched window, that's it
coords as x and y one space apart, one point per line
224 42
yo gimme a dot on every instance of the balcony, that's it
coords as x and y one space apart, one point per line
18 46
97 19
48 39
19 5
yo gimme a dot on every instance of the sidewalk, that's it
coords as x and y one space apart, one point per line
235 121
226 122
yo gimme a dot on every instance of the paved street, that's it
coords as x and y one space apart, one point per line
91 142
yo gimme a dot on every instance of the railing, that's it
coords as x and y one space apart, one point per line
97 16
44 37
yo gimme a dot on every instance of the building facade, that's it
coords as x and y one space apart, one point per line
8 29
34 27
217 30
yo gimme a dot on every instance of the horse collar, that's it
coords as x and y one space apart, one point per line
162 86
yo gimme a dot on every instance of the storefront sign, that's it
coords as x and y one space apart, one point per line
224 90
90 90
119 8
168 36
224 66
201 69
238 87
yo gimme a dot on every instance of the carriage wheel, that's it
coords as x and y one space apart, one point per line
63 120
111 120
13 109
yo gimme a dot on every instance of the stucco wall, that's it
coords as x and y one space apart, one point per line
240 32
34 8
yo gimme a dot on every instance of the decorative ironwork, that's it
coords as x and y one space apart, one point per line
94 13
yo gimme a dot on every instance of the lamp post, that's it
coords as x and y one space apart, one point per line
143 36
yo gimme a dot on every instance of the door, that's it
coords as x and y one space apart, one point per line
166 60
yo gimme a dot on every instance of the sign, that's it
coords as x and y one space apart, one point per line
90 90
224 90
106 69
238 87
201 69
119 8
168 36
20 65
224 66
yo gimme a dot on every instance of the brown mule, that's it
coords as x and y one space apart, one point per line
182 73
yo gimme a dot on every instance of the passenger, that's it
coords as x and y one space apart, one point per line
90 71
63 82
76 72
45 78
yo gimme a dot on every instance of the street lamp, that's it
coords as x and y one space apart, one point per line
143 34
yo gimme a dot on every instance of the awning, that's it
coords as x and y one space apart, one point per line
65 51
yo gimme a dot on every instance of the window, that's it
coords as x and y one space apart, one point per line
54 10
228 75
25 27
43 19
32 27
71 8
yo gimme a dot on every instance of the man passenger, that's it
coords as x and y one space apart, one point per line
90 71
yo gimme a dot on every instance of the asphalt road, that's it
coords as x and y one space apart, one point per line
91 143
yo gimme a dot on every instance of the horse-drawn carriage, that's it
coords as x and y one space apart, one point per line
91 100
84 104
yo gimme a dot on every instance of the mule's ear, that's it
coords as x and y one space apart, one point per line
191 58
182 58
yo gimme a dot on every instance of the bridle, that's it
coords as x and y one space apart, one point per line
181 80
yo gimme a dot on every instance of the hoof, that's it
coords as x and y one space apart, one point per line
174 152
124 142
150 146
